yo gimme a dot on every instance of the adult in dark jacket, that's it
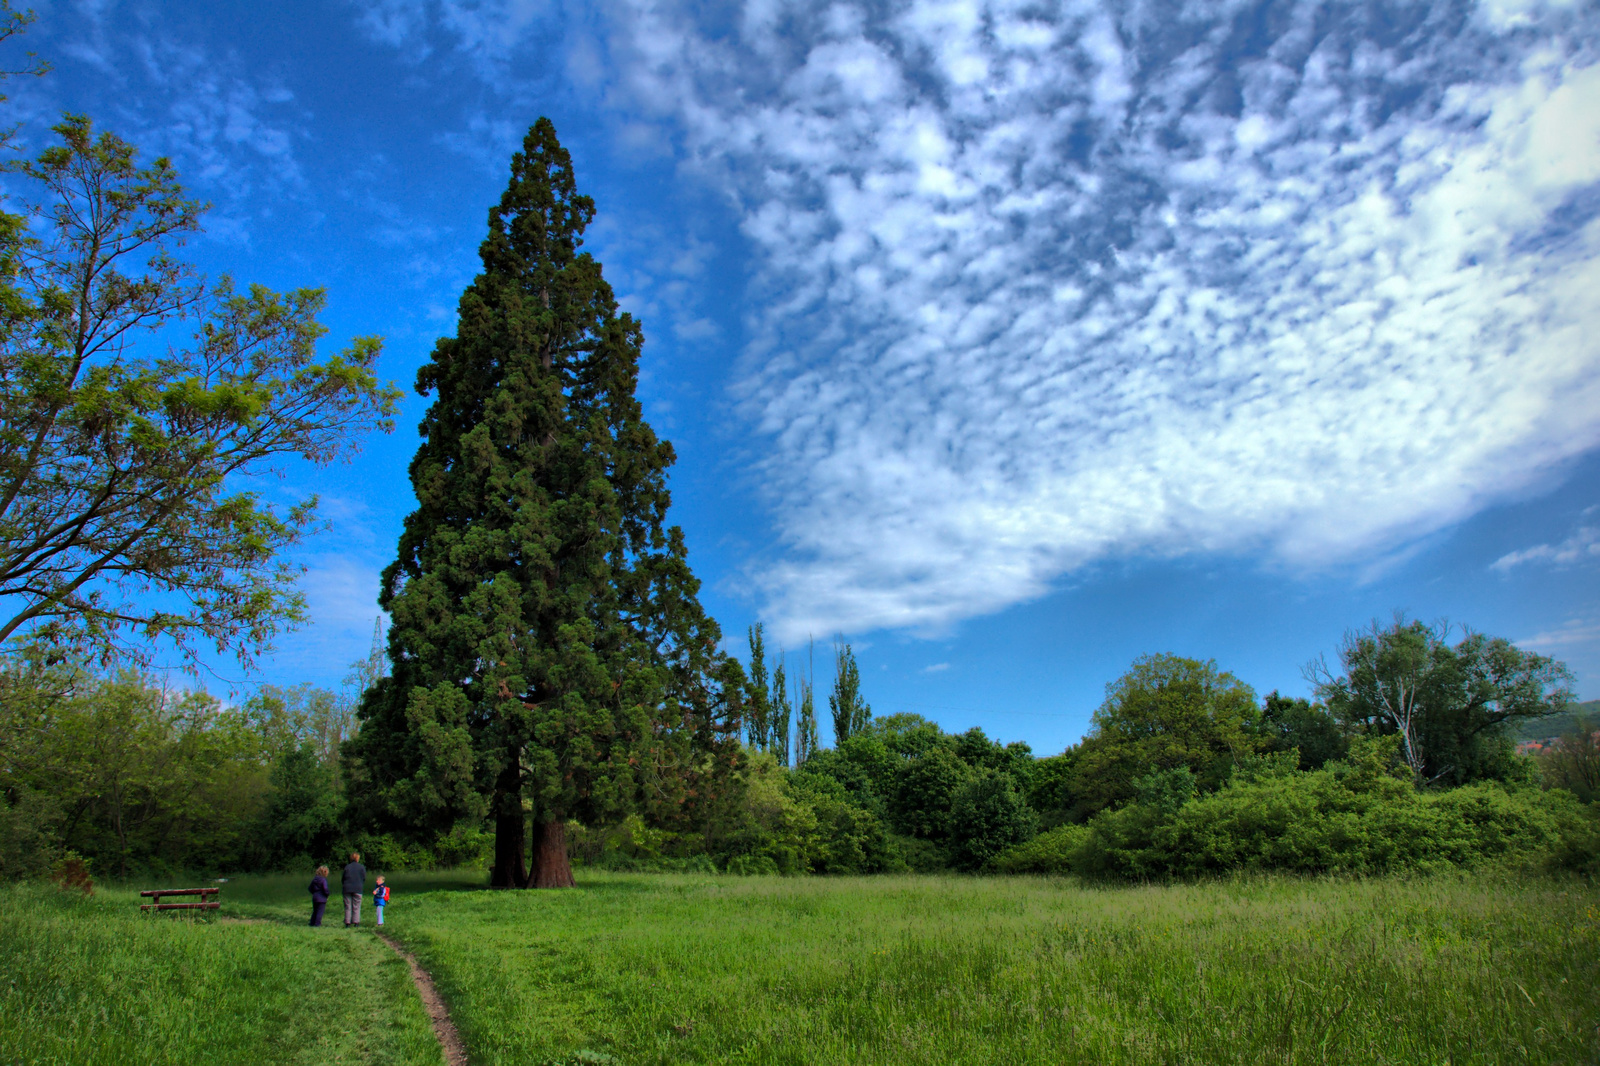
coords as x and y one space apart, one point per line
355 883
319 895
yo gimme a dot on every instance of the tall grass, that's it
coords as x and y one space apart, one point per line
658 969
91 981
696 969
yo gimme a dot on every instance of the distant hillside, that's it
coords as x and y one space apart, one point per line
1556 724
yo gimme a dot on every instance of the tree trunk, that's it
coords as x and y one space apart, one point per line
551 868
510 861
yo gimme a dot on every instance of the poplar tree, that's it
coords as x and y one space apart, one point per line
805 732
758 705
549 654
780 713
850 712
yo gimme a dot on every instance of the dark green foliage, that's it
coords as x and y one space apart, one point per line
1050 787
805 727
923 793
782 713
851 840
1578 848
862 766
1300 725
989 815
1165 712
1452 706
547 645
30 834
757 697
301 825
850 712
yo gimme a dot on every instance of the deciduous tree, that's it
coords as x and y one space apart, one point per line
1165 712
1448 704
850 712
127 466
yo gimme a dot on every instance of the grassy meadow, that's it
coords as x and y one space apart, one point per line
88 982
658 969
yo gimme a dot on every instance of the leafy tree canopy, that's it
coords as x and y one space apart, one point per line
1165 712
1449 704
127 507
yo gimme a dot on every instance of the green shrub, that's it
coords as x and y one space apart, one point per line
989 816
1054 852
752 865
1362 815
29 841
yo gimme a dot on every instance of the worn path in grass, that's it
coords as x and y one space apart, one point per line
664 969
90 982
455 1054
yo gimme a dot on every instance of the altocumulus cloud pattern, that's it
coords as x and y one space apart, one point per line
1043 283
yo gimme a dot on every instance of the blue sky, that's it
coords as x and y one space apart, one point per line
1009 340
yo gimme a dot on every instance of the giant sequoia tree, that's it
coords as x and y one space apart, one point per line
549 654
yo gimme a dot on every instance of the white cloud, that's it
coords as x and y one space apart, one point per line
1035 291
936 668
1583 545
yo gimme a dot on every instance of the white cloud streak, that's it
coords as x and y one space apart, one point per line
1041 284
1582 546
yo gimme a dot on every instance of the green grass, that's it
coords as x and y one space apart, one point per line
655 969
687 969
91 981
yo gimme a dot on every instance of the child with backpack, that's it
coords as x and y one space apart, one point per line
380 898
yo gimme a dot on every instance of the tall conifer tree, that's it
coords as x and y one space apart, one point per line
549 653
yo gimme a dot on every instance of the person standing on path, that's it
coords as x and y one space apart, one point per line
355 883
319 895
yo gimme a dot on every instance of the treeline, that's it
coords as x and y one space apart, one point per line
1407 758
137 777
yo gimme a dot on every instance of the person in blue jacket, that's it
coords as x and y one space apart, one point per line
380 898
319 895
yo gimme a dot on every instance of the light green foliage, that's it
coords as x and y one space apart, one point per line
142 777
1165 712
944 971
122 458
138 776
849 838
1452 706
1359 816
91 982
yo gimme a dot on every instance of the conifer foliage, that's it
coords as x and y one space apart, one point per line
550 656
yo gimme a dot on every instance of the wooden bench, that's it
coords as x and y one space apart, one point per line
203 905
